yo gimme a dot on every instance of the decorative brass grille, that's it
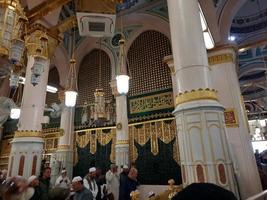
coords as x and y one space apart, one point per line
89 74
145 60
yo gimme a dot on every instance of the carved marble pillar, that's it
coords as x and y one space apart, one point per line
122 132
223 70
199 117
64 154
27 145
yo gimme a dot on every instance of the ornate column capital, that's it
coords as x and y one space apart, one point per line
169 61
40 41
222 54
194 95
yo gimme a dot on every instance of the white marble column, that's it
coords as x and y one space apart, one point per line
199 117
223 69
64 154
27 145
122 131
28 141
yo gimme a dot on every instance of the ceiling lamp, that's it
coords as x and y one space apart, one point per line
15 76
15 113
122 77
12 19
71 91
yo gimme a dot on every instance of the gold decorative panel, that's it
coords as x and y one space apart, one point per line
141 133
230 116
151 103
148 73
164 129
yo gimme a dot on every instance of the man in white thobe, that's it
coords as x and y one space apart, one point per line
63 180
90 183
113 181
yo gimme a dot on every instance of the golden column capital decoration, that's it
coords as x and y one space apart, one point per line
41 42
28 133
63 147
122 142
194 95
220 59
169 61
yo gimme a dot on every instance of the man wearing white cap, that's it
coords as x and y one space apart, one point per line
33 182
63 180
113 182
81 193
90 183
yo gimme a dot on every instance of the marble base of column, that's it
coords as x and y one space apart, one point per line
64 158
122 154
26 154
203 145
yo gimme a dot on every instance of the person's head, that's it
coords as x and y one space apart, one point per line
98 171
64 173
133 173
4 173
113 168
33 181
46 172
92 173
77 183
203 191
125 168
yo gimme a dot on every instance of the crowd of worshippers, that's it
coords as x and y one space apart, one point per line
114 185
95 186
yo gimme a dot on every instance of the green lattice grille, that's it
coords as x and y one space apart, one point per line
146 63
88 76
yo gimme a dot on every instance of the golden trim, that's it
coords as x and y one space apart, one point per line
63 147
120 142
194 95
219 59
19 134
231 118
119 126
3 51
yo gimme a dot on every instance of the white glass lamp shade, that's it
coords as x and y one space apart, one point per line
14 80
15 113
122 84
35 80
38 66
70 98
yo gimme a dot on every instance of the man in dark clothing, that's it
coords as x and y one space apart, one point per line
124 173
128 185
204 191
81 193
34 183
45 184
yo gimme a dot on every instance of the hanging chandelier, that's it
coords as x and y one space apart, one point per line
12 20
122 77
72 90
